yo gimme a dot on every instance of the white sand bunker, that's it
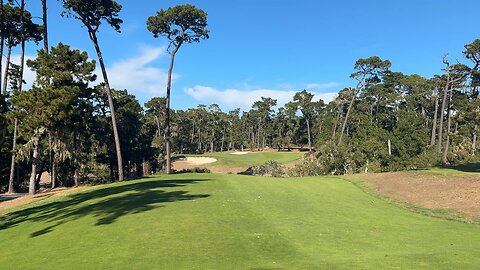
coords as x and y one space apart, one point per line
240 153
199 160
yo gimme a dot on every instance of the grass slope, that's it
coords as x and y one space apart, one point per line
207 221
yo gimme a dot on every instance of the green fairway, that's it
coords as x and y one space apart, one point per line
227 159
207 221
467 169
250 159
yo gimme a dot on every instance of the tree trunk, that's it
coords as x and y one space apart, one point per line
434 125
22 44
167 112
31 188
449 122
192 136
50 158
94 39
337 119
7 65
308 134
258 138
45 25
145 168
54 173
2 38
389 147
345 121
75 160
199 145
442 111
474 142
11 188
159 132
211 141
223 140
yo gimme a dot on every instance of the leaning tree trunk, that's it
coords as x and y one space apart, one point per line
11 187
337 119
309 135
7 65
434 126
94 39
20 85
442 111
159 132
345 121
449 124
168 139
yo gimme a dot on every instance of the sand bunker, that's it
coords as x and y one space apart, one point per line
240 153
199 160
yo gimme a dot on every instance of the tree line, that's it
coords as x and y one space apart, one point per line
84 133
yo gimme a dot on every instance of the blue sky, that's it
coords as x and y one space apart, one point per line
273 47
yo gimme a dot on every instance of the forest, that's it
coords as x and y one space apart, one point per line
82 133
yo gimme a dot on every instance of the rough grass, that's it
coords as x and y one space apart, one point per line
466 169
206 221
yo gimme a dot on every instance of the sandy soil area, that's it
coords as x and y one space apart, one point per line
42 195
239 153
454 192
199 160
191 162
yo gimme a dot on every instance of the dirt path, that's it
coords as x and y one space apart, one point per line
454 192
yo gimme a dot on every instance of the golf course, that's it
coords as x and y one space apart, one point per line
233 135
227 221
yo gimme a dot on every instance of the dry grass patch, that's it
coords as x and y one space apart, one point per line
435 191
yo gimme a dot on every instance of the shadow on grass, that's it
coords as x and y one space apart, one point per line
470 167
106 204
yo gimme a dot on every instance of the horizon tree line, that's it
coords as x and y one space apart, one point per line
80 133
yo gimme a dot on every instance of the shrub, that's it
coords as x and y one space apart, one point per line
270 168
194 170
329 159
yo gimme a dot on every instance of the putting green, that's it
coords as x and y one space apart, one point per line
251 158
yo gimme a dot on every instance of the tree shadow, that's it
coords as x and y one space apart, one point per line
107 204
9 197
469 167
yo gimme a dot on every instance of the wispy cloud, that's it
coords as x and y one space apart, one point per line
138 75
235 98
322 86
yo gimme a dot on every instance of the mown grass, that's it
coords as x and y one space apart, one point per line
250 159
465 169
207 221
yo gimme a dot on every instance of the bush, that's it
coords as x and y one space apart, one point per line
270 168
95 173
329 159
194 170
